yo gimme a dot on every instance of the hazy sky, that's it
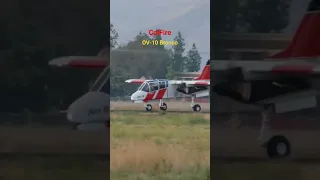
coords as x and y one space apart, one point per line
191 17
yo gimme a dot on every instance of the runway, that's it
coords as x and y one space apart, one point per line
153 111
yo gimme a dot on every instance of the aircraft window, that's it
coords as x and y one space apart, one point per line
101 79
154 86
145 88
106 86
162 85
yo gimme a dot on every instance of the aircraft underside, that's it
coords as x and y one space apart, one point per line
99 125
258 90
191 90
273 96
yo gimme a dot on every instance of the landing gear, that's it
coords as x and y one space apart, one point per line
163 106
148 107
196 107
277 146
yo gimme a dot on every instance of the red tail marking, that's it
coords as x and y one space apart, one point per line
149 96
161 93
205 75
306 40
293 69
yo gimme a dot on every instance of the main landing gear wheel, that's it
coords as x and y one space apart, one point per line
278 147
196 108
148 107
163 107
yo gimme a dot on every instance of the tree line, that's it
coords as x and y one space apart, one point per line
134 60
33 33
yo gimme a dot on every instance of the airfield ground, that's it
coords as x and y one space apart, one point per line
154 146
171 104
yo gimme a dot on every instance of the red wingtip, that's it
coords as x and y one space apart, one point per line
305 41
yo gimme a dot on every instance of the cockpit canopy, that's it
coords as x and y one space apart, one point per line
102 84
153 85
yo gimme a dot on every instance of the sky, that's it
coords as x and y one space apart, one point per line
190 17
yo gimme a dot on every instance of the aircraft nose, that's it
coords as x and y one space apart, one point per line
133 98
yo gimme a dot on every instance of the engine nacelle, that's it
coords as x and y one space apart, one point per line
259 90
190 90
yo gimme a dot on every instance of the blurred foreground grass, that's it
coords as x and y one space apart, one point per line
53 168
265 171
154 146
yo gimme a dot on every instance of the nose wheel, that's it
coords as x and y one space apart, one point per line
148 107
196 108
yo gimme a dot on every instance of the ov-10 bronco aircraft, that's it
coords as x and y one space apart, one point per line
160 89
285 82
90 111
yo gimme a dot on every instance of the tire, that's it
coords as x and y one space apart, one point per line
196 108
163 107
148 107
278 147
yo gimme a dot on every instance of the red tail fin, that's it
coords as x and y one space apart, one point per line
205 75
306 40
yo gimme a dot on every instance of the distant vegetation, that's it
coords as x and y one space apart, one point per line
134 60
35 32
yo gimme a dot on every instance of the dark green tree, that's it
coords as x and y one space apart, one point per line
265 16
113 36
193 60
178 58
133 60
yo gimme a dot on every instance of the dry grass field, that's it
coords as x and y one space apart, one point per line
52 140
173 105
152 146
46 154
53 168
241 142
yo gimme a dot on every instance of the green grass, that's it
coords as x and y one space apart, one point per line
160 146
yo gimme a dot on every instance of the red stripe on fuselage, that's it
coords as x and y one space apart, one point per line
149 97
161 93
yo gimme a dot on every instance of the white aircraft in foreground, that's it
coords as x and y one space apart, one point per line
92 110
287 81
160 89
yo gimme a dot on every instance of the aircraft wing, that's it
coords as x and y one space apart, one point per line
80 62
135 81
192 83
282 67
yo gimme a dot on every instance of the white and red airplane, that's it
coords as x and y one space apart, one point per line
160 89
285 82
92 110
